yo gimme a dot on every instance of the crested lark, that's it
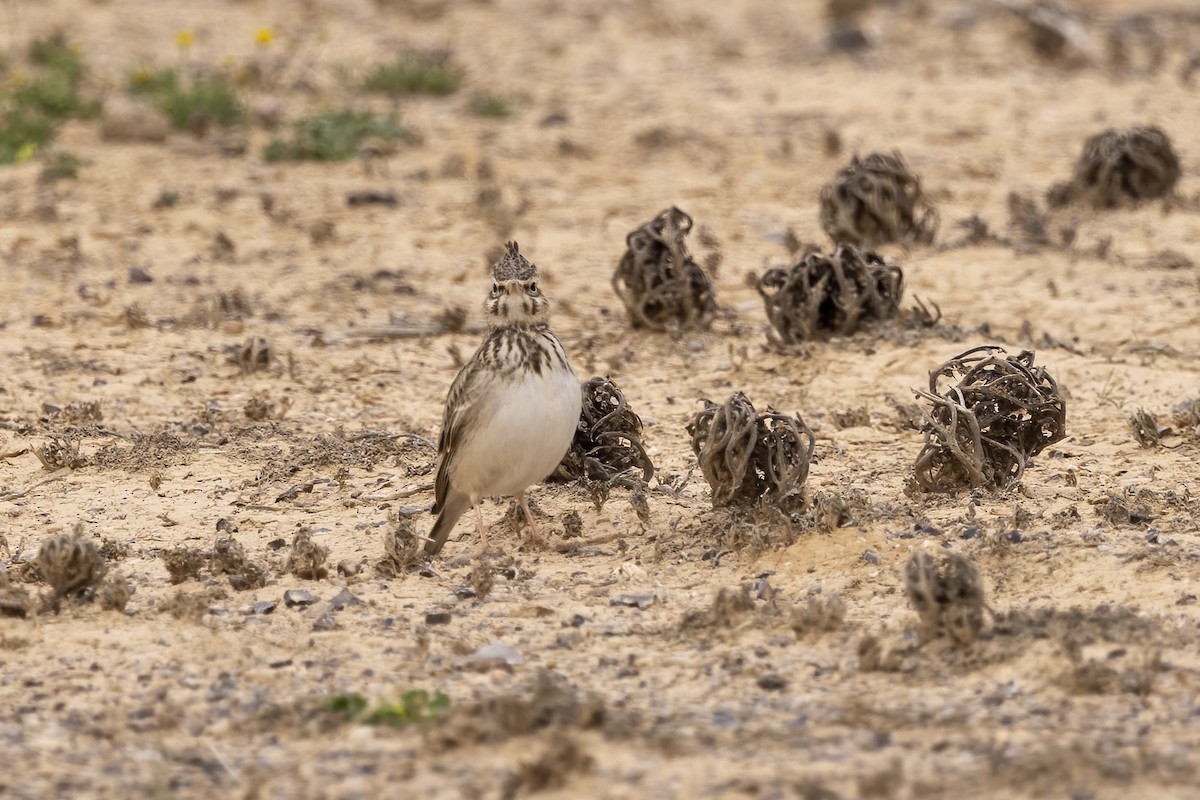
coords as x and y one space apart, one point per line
513 409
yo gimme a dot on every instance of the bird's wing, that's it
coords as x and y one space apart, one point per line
466 406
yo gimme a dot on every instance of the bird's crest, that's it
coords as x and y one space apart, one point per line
513 266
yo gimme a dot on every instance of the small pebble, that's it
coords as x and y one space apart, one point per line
298 597
638 601
341 600
326 622
772 682
497 651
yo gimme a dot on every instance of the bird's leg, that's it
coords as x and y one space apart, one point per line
483 534
533 527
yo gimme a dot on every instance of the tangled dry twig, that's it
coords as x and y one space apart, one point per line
983 430
750 458
877 200
820 295
662 286
608 441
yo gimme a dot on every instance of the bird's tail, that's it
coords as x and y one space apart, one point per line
448 515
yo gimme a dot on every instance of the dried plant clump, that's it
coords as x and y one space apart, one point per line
728 608
184 562
820 614
229 558
1146 429
307 558
114 593
191 605
608 441
77 412
15 601
1186 417
750 458
560 758
70 564
877 200
146 451
59 453
831 510
255 354
401 550
822 296
947 595
662 286
1121 168
258 409
999 412
547 703
481 579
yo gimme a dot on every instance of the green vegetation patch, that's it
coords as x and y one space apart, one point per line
60 166
333 136
414 706
33 104
490 105
192 101
416 72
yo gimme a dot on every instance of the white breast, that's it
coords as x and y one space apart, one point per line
533 422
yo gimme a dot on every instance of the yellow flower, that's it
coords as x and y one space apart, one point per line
185 39
27 151
264 36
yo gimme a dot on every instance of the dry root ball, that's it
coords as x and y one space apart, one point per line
307 559
821 296
946 594
997 413
70 564
750 458
662 286
608 441
877 200
1118 168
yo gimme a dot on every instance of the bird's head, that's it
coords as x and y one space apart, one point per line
516 297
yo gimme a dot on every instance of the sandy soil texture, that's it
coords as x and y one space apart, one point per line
646 645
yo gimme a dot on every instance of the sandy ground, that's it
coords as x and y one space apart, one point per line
607 670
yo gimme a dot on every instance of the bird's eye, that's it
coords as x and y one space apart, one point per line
533 288
495 288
